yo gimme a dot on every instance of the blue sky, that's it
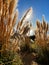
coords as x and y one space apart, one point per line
40 7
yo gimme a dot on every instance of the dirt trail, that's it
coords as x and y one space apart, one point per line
28 58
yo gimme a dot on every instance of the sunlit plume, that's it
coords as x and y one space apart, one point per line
27 15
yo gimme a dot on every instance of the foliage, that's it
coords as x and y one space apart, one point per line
11 59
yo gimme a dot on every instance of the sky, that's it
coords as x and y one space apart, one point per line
40 8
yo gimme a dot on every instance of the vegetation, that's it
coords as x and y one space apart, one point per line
16 47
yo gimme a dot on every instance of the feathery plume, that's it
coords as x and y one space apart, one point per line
41 32
23 22
8 18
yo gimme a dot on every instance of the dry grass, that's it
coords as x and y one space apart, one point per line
41 33
8 17
11 43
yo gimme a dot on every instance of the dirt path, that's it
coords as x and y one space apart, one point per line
28 58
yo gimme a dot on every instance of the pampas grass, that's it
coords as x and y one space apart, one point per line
7 21
23 23
13 42
41 32
8 17
10 44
